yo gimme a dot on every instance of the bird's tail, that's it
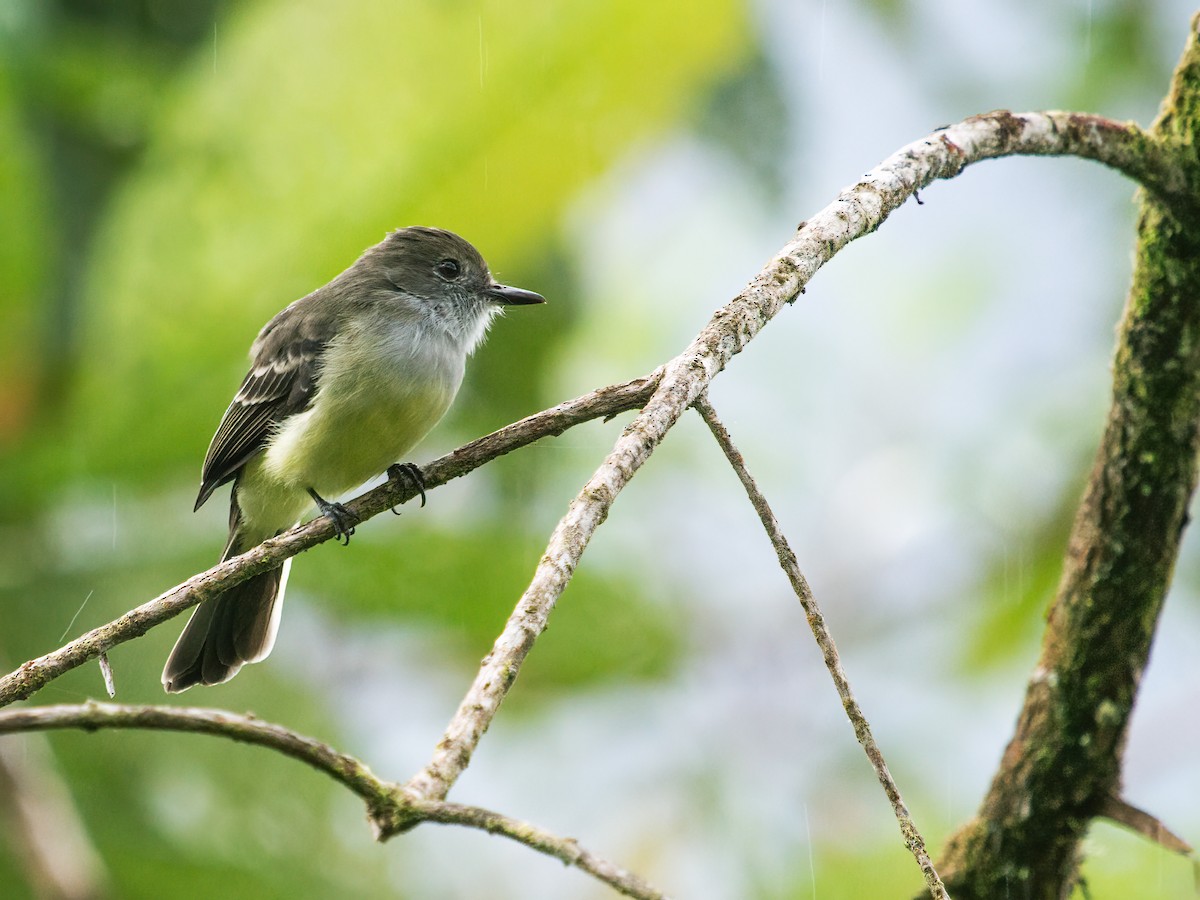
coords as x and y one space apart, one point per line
233 628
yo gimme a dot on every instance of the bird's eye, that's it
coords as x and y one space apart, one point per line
448 269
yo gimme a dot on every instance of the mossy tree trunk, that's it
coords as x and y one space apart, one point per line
1063 764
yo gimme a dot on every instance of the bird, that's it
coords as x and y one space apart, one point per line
343 383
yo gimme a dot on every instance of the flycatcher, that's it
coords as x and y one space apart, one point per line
343 383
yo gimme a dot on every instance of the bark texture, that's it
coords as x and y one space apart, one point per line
1064 761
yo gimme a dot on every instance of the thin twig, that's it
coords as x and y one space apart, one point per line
816 621
602 403
565 849
857 211
1141 822
389 809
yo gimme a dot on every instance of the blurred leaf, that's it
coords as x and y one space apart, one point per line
311 129
1118 863
1018 590
227 820
1122 49
466 584
103 84
24 251
897 15
747 114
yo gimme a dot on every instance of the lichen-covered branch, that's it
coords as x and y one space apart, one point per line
389 809
857 211
816 622
1063 764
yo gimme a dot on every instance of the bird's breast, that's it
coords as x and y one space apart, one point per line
378 394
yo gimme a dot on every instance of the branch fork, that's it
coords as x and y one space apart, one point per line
662 398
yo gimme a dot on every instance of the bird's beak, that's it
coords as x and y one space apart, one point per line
511 296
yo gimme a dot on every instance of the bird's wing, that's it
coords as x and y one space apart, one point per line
281 383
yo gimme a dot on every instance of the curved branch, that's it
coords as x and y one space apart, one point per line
1124 146
857 211
389 809
603 403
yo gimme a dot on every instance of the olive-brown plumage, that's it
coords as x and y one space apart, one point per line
342 384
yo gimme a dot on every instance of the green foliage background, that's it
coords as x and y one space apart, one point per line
173 174
168 186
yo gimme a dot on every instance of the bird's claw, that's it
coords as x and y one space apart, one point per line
343 519
408 472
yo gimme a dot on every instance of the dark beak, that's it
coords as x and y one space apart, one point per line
511 296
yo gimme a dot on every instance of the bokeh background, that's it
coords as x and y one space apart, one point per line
174 173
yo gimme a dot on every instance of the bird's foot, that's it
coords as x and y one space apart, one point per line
410 473
343 520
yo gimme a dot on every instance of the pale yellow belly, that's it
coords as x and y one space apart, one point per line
334 450
355 429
